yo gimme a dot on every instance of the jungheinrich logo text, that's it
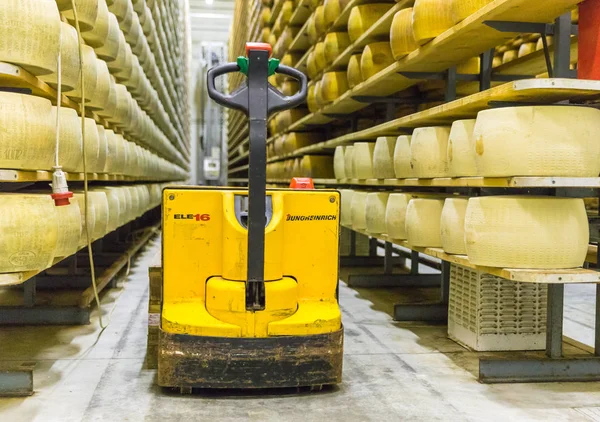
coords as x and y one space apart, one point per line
322 217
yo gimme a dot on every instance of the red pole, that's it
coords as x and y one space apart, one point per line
588 62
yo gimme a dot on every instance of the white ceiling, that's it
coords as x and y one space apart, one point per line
211 22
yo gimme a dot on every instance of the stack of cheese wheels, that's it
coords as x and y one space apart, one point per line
461 9
375 57
430 19
402 167
319 54
335 44
338 163
525 49
363 160
461 149
346 209
383 158
27 141
317 166
428 150
29 228
349 162
333 86
526 232
538 141
68 218
452 225
69 56
363 17
30 34
358 210
320 25
423 217
375 208
402 38
295 140
354 74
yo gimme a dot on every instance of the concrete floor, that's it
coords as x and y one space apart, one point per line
392 371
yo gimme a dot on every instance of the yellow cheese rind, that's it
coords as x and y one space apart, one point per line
333 86
335 44
538 141
349 162
354 74
452 226
375 209
363 160
383 158
29 232
338 162
509 56
375 57
363 17
69 229
69 56
332 11
110 50
462 9
395 215
346 206
358 210
402 38
430 19
526 48
423 217
319 54
402 168
320 23
428 151
526 232
317 166
461 149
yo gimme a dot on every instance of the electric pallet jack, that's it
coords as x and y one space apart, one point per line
250 276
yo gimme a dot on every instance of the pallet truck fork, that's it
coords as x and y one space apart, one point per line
250 276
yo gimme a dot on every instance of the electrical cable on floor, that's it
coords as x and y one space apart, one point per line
85 175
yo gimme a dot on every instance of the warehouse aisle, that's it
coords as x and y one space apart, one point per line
392 371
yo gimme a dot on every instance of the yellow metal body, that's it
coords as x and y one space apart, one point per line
205 264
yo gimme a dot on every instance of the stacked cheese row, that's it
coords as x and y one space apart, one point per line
35 232
130 66
292 141
315 166
494 231
505 142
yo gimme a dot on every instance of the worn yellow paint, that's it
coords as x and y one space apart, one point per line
205 260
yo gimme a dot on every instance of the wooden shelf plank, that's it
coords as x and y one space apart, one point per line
32 176
551 276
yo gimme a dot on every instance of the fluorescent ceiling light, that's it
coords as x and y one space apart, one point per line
208 2
210 15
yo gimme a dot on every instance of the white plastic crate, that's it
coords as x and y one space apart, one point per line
489 313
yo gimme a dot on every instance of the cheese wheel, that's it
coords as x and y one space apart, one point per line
296 167
383 158
90 73
110 50
101 97
354 73
452 225
395 215
333 86
402 39
317 166
375 57
289 88
87 12
92 148
402 168
346 206
349 162
320 25
318 100
29 232
375 207
27 140
265 33
428 151
70 143
526 232
509 56
319 54
311 30
97 36
79 197
540 43
110 107
358 210
102 149
430 19
311 65
363 160
423 217
265 16
335 44
461 149
338 162
113 158
363 17
68 219
129 204
469 67
497 61
525 49
333 9
296 140
278 146
69 56
287 117
461 9
115 208
538 141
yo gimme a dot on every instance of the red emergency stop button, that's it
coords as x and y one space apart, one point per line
302 183
258 46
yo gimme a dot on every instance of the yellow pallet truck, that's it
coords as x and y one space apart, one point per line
250 276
